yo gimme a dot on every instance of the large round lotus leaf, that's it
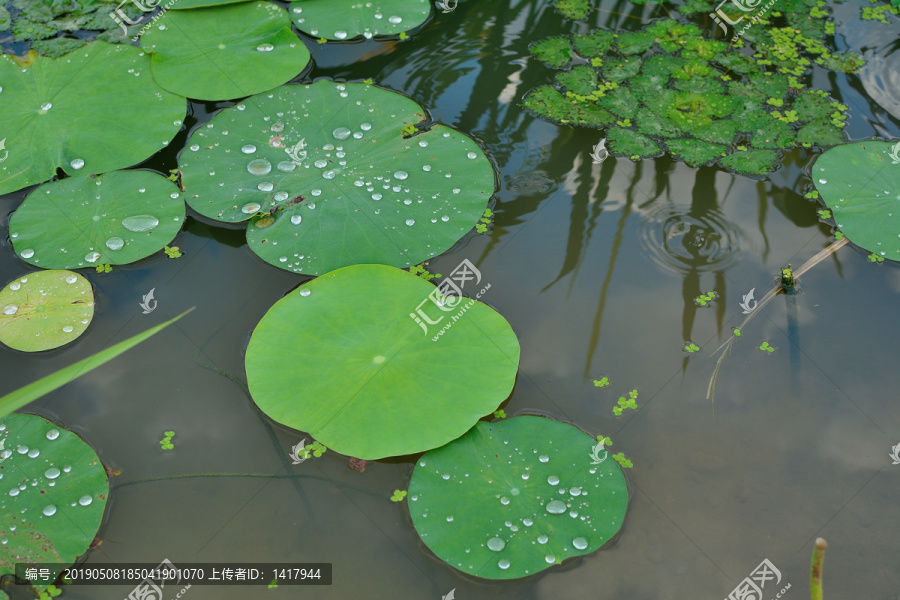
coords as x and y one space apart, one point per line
91 111
330 162
115 218
860 183
45 310
224 52
344 19
512 498
52 493
344 358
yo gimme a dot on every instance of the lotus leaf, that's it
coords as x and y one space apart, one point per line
88 112
330 180
45 310
115 219
345 19
347 358
54 493
860 183
513 498
224 52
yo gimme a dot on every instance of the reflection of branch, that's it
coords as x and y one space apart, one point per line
822 255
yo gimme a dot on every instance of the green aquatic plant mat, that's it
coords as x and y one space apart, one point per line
45 310
329 180
512 498
34 390
94 110
114 219
345 19
224 52
697 98
54 491
344 358
860 183
45 23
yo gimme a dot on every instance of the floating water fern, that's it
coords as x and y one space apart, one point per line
667 89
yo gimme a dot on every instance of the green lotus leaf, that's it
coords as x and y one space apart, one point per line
345 19
625 142
633 42
810 106
718 132
621 102
224 52
45 310
330 180
619 69
822 133
695 153
554 52
581 79
95 110
860 183
737 62
347 358
114 219
594 44
774 134
650 123
54 492
751 162
512 498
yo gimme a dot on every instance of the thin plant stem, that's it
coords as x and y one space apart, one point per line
815 570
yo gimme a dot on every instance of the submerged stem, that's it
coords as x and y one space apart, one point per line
815 570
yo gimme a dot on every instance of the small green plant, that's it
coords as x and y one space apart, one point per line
500 413
626 403
736 332
705 299
691 347
624 123
602 439
316 449
602 382
484 221
813 195
408 130
765 347
875 258
398 496
173 252
51 592
623 462
825 214
322 41
104 268
273 584
166 442
368 81
424 273
403 35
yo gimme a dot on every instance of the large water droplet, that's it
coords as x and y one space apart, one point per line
550 559
85 500
296 219
328 174
503 563
527 522
139 223
281 196
395 19
51 473
556 507
259 166
5 454
14 492
580 543
46 106
34 453
265 186
71 278
496 544
543 458
15 285
410 222
575 491
553 480
304 293
445 218
287 166
267 47
67 329
340 35
77 163
823 181
49 510
248 149
10 309
472 155
401 175
27 253
504 500
321 163
92 257
52 434
115 243
341 133
195 147
250 208
543 539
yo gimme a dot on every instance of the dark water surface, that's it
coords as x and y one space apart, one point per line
596 268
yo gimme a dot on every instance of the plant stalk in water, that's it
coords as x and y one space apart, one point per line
815 570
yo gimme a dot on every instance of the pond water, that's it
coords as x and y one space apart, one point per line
596 268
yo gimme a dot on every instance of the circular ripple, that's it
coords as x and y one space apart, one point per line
680 241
